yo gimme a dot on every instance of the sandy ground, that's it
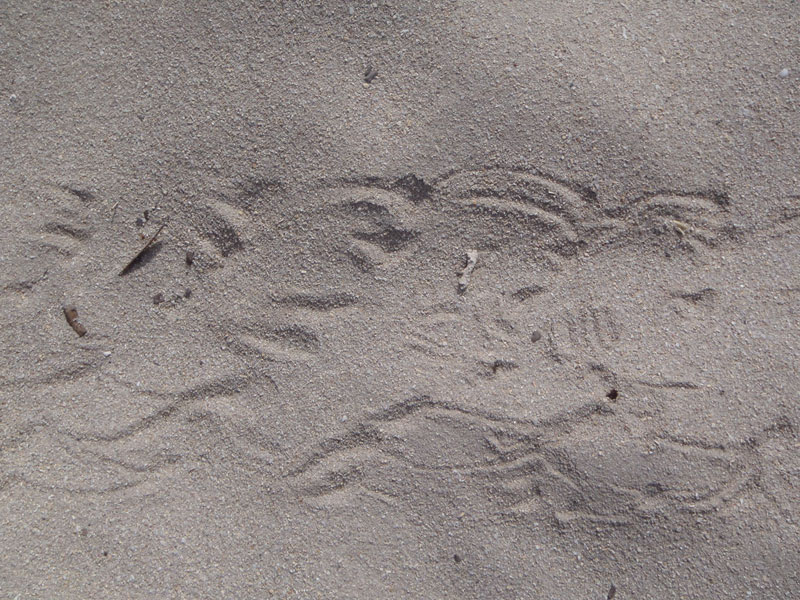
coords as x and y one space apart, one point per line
517 318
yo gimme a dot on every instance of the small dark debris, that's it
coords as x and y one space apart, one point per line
698 296
536 336
612 591
84 195
188 293
612 395
654 487
501 365
139 222
71 314
105 552
158 298
527 292
456 558
189 258
146 215
370 74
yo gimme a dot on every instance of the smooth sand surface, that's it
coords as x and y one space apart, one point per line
518 318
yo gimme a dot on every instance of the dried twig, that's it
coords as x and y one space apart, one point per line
141 252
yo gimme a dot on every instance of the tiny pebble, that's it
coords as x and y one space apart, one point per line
158 298
536 336
784 73
106 354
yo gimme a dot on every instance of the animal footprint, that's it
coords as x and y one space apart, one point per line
686 218
558 218
556 468
585 334
378 221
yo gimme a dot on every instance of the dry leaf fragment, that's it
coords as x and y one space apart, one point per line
71 313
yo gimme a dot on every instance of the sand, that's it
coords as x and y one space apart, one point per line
451 300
